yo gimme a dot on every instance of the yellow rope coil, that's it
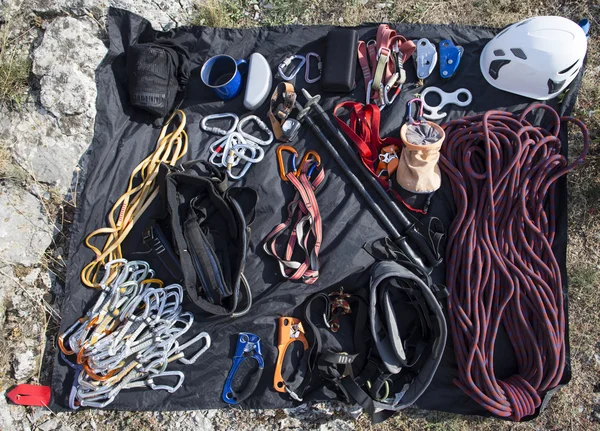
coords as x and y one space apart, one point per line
131 205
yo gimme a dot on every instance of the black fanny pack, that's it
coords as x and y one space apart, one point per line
210 229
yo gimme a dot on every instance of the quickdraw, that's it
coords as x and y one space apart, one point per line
285 64
128 337
304 218
382 61
290 331
247 347
237 146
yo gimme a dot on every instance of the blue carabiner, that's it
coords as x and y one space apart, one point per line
248 346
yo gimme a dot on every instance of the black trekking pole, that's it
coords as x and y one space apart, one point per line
398 239
407 225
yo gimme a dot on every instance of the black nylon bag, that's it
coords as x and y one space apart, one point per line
210 233
156 73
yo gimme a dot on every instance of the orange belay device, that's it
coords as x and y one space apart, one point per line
290 330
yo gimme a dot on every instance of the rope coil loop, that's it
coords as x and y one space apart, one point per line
501 270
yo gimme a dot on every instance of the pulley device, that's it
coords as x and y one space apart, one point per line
247 347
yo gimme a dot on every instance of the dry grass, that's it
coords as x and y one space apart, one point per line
14 70
578 405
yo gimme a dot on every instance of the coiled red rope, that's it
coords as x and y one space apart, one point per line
500 268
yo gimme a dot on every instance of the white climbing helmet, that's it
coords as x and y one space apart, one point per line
537 57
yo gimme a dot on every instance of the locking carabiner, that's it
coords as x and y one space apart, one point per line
285 63
218 130
307 77
248 346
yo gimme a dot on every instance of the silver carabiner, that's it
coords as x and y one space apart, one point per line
197 338
218 130
307 77
169 389
261 124
285 63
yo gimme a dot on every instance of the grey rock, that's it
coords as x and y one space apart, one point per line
23 365
161 13
24 229
65 61
49 425
6 419
337 425
32 276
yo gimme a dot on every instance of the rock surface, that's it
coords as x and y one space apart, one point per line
24 229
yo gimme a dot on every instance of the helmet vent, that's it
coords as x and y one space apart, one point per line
495 67
554 87
568 68
518 52
499 53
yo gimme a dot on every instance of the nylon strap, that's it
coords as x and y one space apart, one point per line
281 107
304 220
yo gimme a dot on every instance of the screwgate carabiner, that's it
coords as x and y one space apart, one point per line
307 77
285 63
218 130
261 124
248 346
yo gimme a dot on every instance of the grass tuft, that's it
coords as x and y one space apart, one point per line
9 170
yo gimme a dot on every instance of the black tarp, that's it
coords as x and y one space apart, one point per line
124 136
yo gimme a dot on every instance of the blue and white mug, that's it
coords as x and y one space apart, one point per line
223 74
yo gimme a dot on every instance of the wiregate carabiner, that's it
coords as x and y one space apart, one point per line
307 77
248 346
285 63
282 169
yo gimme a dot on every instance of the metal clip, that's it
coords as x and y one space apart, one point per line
290 330
248 346
425 57
261 124
218 130
285 63
450 56
380 96
307 77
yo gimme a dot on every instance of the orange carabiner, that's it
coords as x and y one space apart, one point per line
282 170
306 158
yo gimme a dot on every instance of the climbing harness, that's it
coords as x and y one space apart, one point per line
307 77
382 63
209 223
304 219
236 147
283 66
290 330
450 56
501 270
282 104
141 192
129 337
433 112
425 58
247 347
